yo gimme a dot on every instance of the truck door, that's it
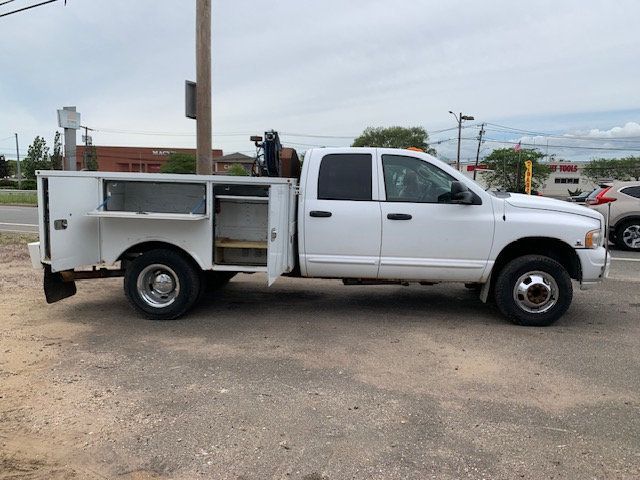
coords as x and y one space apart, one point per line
278 241
341 216
74 237
424 236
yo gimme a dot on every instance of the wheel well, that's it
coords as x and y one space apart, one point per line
624 220
553 248
140 248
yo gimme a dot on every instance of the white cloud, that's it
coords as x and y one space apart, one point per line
629 130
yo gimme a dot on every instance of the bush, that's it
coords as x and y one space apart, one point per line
6 183
29 185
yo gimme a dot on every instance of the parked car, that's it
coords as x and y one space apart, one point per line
580 198
624 200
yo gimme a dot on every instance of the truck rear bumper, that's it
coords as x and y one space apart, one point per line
594 269
34 254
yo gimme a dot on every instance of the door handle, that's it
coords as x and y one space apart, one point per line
60 224
319 214
399 216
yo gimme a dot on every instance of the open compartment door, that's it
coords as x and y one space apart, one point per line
74 237
278 234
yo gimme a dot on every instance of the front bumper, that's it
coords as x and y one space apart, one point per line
594 269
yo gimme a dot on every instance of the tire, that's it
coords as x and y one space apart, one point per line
162 284
628 235
533 291
211 281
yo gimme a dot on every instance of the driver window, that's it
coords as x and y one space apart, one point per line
409 179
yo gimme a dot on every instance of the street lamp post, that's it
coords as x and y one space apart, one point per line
460 118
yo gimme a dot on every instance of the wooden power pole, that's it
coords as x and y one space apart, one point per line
203 94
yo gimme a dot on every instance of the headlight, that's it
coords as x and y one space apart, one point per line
593 239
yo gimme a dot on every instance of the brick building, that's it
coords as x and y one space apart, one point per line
223 163
135 159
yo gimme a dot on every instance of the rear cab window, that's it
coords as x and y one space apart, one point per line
345 177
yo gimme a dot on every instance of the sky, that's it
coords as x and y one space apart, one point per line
320 72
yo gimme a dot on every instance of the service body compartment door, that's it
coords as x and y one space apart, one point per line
74 237
278 242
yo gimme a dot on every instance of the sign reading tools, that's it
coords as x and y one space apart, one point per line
528 173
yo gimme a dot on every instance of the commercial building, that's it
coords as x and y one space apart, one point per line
222 164
564 176
134 159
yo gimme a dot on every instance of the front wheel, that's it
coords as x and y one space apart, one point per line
162 284
533 290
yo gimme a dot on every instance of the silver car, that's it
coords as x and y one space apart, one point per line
624 200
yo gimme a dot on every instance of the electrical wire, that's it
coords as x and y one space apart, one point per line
28 8
579 147
505 129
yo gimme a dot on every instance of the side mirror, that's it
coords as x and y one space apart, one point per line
460 194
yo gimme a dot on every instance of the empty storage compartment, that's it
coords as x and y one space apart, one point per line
154 197
241 228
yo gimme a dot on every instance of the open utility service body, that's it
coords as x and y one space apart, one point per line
364 215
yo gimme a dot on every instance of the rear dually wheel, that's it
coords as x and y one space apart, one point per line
162 284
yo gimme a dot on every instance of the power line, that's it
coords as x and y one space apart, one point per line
580 147
28 8
7 1
506 129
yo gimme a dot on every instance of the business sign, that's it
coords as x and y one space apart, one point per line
528 174
471 168
564 168
69 119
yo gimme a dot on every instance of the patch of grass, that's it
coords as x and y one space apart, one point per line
11 198
17 238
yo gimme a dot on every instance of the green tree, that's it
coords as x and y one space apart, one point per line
179 163
502 166
237 170
395 137
4 167
627 168
56 156
91 162
37 158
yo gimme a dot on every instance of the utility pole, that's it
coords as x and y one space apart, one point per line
88 142
86 146
475 170
18 164
460 118
203 82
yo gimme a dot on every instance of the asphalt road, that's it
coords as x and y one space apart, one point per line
18 219
312 380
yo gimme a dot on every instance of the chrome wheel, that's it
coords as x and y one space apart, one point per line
535 292
158 285
631 236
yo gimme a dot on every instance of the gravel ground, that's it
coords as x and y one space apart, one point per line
313 380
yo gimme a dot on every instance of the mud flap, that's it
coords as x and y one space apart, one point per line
55 288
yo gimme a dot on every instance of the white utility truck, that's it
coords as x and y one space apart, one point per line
364 215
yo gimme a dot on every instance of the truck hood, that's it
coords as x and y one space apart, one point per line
542 203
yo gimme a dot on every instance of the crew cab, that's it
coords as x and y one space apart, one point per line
363 215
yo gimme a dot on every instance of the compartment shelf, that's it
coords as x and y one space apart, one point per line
229 243
148 215
242 198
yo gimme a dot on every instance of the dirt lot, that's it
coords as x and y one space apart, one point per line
313 380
